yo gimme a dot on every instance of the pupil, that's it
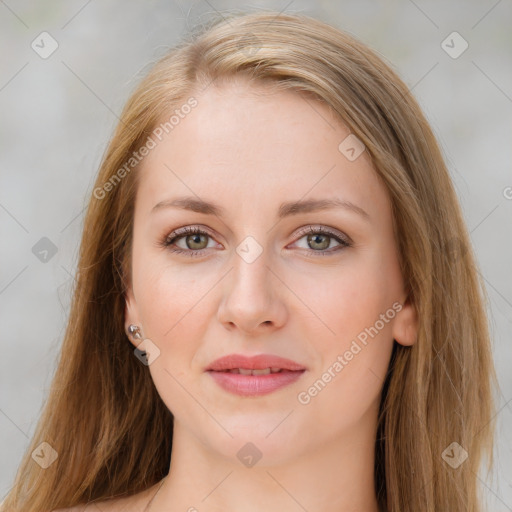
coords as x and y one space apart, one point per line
315 237
195 239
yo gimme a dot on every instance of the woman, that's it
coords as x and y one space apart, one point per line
277 288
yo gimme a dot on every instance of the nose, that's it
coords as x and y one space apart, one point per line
252 297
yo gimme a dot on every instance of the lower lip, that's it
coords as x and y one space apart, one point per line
254 385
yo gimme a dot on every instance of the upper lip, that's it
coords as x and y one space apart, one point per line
258 362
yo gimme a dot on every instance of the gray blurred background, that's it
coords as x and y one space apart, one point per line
58 111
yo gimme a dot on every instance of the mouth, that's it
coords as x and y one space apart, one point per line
247 371
256 375
266 362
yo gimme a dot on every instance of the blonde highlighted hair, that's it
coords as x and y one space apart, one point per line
103 415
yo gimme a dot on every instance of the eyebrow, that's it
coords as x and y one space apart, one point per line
286 209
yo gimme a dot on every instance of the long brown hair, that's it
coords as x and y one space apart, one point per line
104 417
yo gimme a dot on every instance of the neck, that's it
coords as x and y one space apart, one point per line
333 477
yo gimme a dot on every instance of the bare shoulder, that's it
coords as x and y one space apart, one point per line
135 503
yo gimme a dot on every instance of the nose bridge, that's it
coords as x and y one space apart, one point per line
251 277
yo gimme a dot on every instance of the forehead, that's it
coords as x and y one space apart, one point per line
246 144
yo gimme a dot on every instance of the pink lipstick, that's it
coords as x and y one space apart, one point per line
256 375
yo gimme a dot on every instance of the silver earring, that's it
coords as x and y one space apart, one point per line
134 332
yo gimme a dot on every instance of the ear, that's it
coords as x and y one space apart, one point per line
405 326
131 315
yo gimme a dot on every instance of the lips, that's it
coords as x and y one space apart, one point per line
258 362
256 375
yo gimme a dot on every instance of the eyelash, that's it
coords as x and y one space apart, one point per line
184 232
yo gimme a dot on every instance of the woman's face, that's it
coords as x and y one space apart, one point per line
259 282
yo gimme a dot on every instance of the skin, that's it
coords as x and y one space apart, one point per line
249 149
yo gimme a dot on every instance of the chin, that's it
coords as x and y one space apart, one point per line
256 441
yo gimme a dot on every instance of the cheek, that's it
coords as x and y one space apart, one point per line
175 313
169 295
175 319
343 301
353 362
354 340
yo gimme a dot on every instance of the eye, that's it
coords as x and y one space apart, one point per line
195 240
319 239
